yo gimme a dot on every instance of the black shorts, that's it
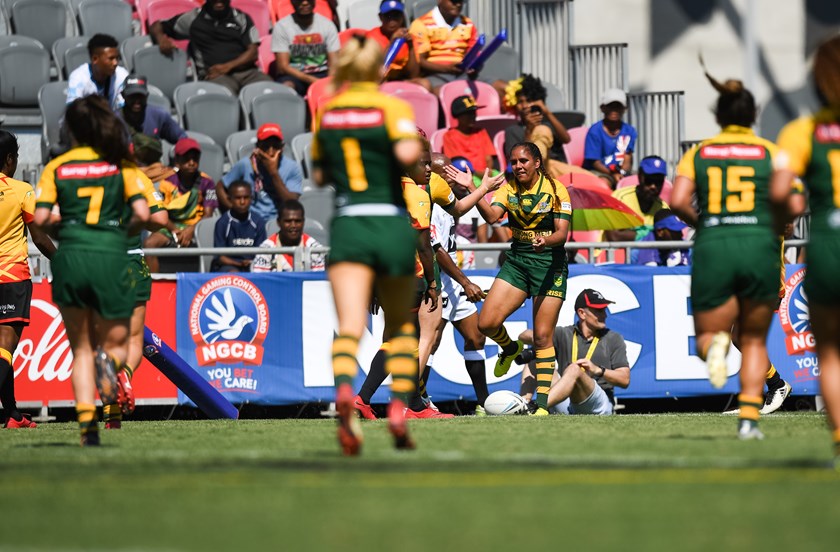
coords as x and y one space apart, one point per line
15 298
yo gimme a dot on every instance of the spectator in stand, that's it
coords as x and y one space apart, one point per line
103 76
148 152
666 227
468 139
224 43
305 45
442 38
642 198
594 360
239 227
610 143
274 178
183 196
405 65
147 119
537 124
291 221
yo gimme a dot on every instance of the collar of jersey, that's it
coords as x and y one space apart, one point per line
534 189
737 129
441 22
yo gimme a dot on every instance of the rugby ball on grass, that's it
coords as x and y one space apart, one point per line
505 403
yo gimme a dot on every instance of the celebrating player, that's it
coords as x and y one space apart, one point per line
100 193
16 211
735 273
811 149
539 212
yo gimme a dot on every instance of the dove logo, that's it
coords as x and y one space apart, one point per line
794 316
229 322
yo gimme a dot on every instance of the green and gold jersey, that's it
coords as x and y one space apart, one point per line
811 149
731 172
92 195
532 213
134 243
354 146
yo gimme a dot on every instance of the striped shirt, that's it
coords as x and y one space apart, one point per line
444 43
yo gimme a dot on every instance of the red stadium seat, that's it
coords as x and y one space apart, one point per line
318 94
484 93
633 179
499 144
574 149
347 34
156 10
266 57
394 88
426 109
436 140
258 10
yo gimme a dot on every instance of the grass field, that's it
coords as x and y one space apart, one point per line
664 482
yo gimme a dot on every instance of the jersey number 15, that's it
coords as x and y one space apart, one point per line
740 192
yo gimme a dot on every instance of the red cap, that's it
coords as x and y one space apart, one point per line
186 144
269 130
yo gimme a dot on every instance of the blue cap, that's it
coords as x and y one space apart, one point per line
462 164
391 5
653 165
671 223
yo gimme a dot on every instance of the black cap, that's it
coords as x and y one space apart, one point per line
464 104
589 298
134 84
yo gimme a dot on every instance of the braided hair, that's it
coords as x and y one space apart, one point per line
537 156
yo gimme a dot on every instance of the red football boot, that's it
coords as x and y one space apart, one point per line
397 425
349 429
125 396
24 423
427 413
364 409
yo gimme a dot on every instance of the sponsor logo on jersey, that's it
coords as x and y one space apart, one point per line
794 316
229 322
352 118
732 151
827 133
86 170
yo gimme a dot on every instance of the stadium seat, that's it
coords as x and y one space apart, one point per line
195 88
363 14
299 145
17 87
130 46
633 180
496 123
43 20
167 9
426 109
158 98
250 91
288 110
66 53
216 115
266 59
347 34
555 98
105 16
395 88
259 12
307 185
240 144
570 119
204 231
271 227
503 65
317 230
484 94
212 155
436 140
165 72
318 94
318 204
499 144
307 160
420 8
486 260
52 98
574 149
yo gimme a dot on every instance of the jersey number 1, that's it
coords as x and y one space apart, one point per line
353 161
740 196
95 193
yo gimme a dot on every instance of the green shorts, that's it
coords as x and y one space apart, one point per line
744 266
95 280
536 275
386 244
823 268
141 278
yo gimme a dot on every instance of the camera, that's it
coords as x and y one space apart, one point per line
526 356
535 109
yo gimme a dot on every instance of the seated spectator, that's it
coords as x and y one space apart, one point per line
223 42
148 152
290 220
273 177
610 143
103 76
305 45
183 197
593 357
442 38
239 227
537 124
468 139
643 198
147 119
404 66
188 176
666 227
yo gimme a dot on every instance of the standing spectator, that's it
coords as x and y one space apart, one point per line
442 38
666 227
291 221
188 176
239 227
305 45
643 199
147 119
223 42
273 177
102 76
467 139
594 360
405 65
610 143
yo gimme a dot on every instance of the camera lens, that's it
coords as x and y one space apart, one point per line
525 356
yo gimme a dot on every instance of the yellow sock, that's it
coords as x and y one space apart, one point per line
401 362
502 339
749 407
112 413
344 351
6 355
545 371
128 370
86 414
771 372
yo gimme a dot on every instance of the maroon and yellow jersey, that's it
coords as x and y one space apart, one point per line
17 208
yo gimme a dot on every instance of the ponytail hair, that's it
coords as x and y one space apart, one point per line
735 104
360 60
827 72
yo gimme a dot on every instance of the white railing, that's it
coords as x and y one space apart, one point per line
594 69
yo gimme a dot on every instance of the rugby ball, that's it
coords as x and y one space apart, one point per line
505 403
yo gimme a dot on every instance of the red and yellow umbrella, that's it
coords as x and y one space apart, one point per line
593 208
